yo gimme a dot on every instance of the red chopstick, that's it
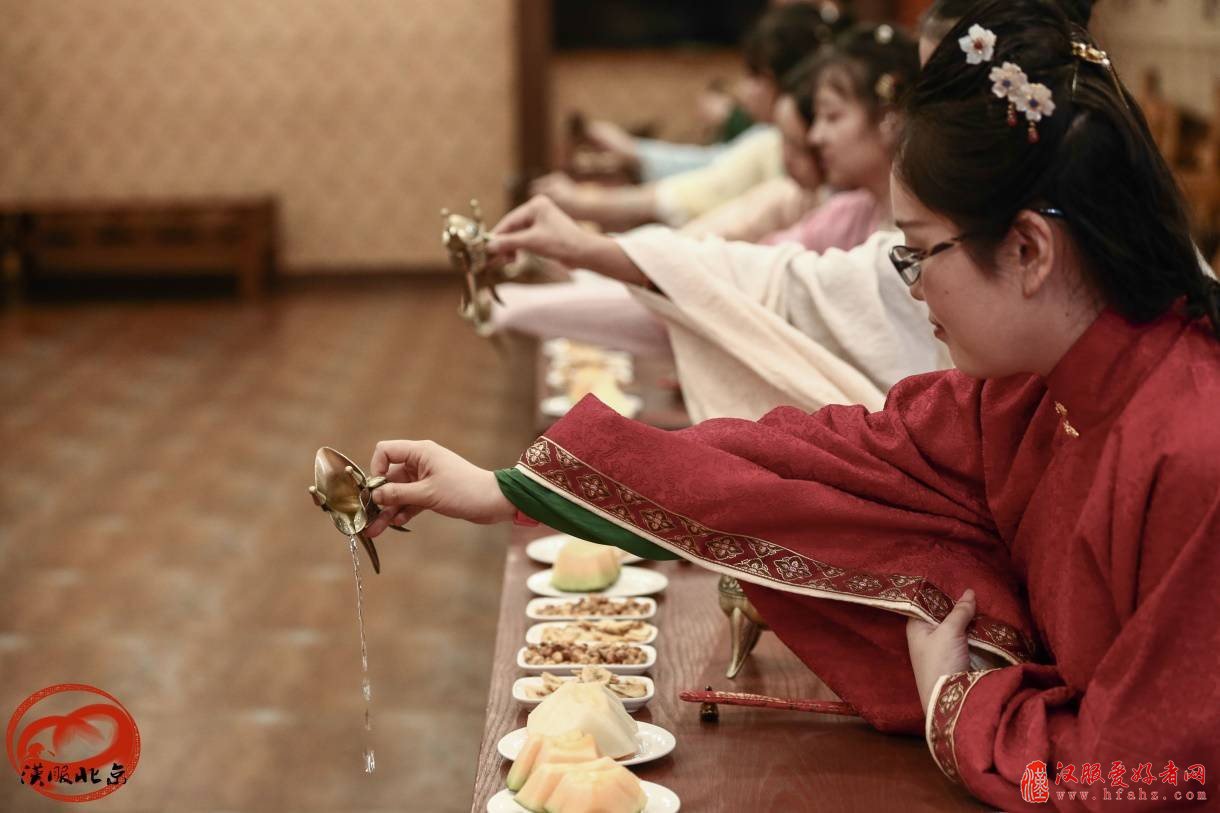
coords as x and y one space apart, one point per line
765 702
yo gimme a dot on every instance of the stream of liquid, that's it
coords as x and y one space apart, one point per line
370 760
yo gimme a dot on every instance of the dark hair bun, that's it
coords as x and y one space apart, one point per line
944 13
966 154
1078 11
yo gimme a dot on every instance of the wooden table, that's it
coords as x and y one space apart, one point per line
752 759
656 383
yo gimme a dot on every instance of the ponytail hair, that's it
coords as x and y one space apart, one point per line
1093 159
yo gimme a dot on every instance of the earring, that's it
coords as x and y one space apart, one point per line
1012 115
1033 133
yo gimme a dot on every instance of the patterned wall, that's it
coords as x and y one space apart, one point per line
637 87
363 116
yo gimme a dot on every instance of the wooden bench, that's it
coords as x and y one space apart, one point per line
188 237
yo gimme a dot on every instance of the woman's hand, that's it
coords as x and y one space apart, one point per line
540 227
611 138
938 650
424 476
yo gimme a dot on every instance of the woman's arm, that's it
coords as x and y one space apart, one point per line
614 208
540 227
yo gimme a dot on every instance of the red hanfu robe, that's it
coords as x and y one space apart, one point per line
1084 509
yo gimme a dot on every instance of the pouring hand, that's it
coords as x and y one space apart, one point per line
424 476
542 228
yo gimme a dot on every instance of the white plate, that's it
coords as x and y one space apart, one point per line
545 549
558 405
629 703
650 660
653 742
533 610
660 800
533 635
632 581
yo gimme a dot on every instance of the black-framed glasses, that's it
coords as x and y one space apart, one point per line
909 261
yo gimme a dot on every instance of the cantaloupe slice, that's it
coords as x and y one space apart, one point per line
591 708
523 765
597 790
541 749
538 788
582 566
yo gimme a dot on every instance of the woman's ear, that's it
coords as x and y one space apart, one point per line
890 126
1029 250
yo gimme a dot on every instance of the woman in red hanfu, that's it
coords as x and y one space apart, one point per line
1015 557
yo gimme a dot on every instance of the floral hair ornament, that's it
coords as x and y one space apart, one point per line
979 44
1004 83
886 88
1009 82
1088 53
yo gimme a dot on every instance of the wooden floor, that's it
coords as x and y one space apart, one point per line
157 541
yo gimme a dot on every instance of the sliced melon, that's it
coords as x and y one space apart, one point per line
582 566
597 790
591 708
538 788
541 749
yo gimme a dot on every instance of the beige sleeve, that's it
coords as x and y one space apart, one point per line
769 207
759 158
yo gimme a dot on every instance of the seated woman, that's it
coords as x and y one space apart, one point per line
592 308
753 327
737 112
781 39
781 202
1016 557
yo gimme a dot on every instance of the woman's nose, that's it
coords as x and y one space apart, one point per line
814 137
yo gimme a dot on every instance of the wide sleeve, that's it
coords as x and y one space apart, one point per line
754 326
1152 699
863 519
765 209
747 163
661 159
571 518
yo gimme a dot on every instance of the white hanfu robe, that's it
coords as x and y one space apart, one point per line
753 327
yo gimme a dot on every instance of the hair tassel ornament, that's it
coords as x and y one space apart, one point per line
1009 83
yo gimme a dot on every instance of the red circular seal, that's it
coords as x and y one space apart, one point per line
72 742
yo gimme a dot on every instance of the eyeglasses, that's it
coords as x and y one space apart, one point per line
909 261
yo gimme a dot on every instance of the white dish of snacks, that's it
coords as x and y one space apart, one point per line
632 581
592 631
545 549
530 691
557 406
660 800
653 742
565 609
620 659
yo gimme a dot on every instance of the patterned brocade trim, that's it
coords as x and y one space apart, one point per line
948 697
754 559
